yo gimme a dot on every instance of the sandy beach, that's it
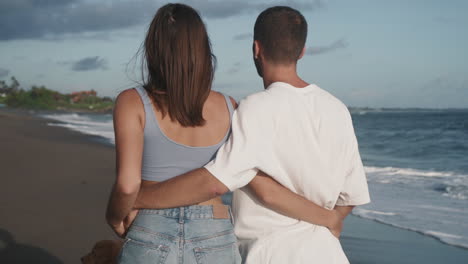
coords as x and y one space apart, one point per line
54 189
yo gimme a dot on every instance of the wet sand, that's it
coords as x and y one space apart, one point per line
370 242
54 186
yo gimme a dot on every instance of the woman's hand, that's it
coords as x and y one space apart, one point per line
121 228
127 222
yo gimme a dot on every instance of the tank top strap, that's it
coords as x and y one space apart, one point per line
229 104
150 117
144 95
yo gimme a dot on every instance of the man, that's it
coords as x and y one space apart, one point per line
294 131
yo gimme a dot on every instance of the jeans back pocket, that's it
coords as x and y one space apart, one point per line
139 252
226 254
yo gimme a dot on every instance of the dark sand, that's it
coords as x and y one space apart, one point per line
54 185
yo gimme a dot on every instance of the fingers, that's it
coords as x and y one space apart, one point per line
130 218
119 230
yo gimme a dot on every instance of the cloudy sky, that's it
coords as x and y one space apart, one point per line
376 53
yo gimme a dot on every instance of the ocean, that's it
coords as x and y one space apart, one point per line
417 168
416 163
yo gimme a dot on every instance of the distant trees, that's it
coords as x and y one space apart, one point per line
39 97
6 89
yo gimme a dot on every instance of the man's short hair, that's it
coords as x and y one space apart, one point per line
282 32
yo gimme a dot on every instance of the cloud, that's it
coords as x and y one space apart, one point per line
4 72
100 35
443 91
302 6
445 20
235 68
225 9
445 83
88 64
243 36
219 9
40 76
38 19
30 19
338 44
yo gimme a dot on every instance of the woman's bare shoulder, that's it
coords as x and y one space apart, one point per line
128 102
219 98
127 96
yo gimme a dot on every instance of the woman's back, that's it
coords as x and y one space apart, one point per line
170 149
216 112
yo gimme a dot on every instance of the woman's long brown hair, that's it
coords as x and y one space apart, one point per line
180 64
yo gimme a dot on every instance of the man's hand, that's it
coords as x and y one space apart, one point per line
336 226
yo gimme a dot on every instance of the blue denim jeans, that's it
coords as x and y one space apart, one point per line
184 235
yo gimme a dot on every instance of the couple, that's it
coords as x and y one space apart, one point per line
288 153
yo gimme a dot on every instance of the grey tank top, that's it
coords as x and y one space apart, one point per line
164 158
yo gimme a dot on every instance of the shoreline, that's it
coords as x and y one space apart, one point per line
364 240
368 242
438 239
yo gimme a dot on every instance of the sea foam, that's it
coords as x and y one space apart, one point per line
96 125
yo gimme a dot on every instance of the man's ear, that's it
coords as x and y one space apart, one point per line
256 49
302 53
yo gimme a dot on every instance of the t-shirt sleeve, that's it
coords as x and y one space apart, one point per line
236 161
355 190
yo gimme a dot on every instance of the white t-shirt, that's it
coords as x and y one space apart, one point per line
304 139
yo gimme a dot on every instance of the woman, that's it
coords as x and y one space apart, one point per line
174 123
